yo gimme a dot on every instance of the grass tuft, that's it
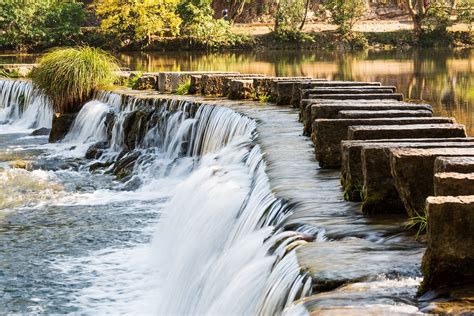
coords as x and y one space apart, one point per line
183 88
419 222
69 76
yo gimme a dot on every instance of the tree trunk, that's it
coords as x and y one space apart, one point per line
305 14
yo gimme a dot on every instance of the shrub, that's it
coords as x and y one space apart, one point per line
345 13
69 76
138 21
184 88
27 24
289 16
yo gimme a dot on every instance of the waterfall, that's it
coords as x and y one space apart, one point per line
219 246
22 106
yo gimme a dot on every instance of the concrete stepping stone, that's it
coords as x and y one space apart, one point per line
453 184
240 89
328 134
382 114
379 191
402 131
366 96
213 84
352 168
171 80
449 258
304 94
413 170
454 164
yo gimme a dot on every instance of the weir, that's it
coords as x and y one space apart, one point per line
228 210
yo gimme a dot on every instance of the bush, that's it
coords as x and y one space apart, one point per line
69 76
27 24
184 88
345 13
289 15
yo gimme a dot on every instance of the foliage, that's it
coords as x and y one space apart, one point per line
30 23
293 36
69 76
345 13
9 74
264 98
465 10
133 79
136 21
420 222
289 15
183 88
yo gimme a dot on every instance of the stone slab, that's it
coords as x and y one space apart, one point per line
401 131
382 114
169 81
304 94
352 176
328 134
214 84
454 164
379 191
449 258
240 89
413 170
367 96
332 109
453 184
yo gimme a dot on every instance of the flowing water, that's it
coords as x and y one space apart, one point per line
211 212
194 228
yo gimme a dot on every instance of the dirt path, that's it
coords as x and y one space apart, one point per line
361 26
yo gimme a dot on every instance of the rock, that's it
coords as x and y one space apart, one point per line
453 184
20 164
367 96
328 134
379 191
454 164
96 150
145 82
60 127
356 260
20 70
195 86
99 165
349 90
413 170
134 128
41 131
123 167
406 131
352 176
381 114
213 84
133 184
331 108
122 77
449 258
241 89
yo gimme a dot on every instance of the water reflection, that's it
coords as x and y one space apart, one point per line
443 78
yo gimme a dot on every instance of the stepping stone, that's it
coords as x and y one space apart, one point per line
403 131
241 89
268 86
367 96
328 134
283 91
347 90
379 191
454 164
214 84
382 114
453 184
170 81
413 169
332 109
357 259
352 176
449 258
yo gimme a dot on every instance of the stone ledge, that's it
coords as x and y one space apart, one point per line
384 114
454 164
453 184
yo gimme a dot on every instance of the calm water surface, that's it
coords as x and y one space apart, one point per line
443 78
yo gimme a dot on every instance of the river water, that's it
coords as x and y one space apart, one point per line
209 219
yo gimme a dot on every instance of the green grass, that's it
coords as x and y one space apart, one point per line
183 88
264 98
9 74
419 222
132 81
69 76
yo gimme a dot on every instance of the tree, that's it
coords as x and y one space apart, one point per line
289 15
139 20
26 24
431 14
345 13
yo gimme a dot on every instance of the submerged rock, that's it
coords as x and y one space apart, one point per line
96 150
61 124
124 165
41 131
